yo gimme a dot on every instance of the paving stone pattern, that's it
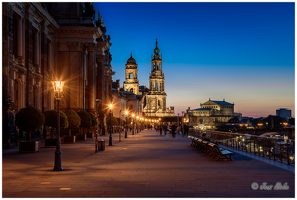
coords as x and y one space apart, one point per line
142 165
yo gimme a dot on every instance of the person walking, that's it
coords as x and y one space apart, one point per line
184 129
160 127
173 130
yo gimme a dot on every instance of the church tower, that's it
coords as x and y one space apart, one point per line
155 101
131 83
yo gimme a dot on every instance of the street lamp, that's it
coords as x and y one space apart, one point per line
120 125
58 91
110 123
97 131
137 123
133 123
126 113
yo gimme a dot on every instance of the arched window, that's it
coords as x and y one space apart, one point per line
131 90
131 76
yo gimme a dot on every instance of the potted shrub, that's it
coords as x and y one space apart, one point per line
29 119
114 123
51 120
92 129
74 122
86 122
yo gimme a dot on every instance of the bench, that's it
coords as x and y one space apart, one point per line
210 148
222 152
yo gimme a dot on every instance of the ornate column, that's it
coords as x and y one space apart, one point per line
19 40
101 92
36 50
23 41
49 56
164 103
29 56
91 68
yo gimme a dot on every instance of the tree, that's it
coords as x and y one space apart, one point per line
121 122
86 121
51 119
114 121
93 118
29 119
73 118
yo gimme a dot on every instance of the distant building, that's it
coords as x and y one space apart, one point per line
126 101
284 113
153 98
131 83
211 114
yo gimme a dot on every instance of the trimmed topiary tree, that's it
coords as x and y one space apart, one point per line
51 119
86 121
73 118
121 122
93 118
29 119
114 121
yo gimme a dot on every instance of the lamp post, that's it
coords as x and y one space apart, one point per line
137 123
182 123
110 123
58 90
120 125
126 129
97 127
133 123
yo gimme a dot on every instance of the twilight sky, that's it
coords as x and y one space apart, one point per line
243 52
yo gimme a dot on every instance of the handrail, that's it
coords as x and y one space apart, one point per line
272 148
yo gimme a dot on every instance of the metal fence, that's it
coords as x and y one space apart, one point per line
277 149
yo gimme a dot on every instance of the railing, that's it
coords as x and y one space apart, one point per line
272 148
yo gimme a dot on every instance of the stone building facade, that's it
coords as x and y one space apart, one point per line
45 41
126 101
211 114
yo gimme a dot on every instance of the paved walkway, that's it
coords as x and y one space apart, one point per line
142 165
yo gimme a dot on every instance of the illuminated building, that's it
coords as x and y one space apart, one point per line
45 41
211 114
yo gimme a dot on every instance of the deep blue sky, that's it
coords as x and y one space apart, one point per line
243 52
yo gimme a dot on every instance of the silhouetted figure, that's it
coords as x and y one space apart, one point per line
173 128
161 130
208 140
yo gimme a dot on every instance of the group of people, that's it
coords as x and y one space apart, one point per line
174 129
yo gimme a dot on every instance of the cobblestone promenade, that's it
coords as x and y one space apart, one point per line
142 165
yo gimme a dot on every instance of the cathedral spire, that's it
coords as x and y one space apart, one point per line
156 51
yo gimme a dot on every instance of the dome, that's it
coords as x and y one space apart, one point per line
156 50
131 60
